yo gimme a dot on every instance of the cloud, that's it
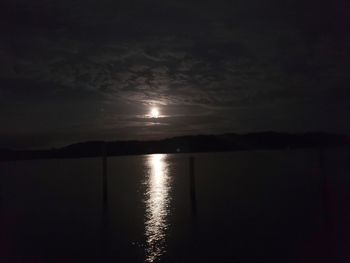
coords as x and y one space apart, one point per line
98 62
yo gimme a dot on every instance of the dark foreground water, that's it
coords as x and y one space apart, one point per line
264 206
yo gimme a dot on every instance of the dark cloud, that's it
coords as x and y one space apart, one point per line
94 67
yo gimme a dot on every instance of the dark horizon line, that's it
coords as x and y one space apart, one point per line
164 138
187 144
176 137
207 135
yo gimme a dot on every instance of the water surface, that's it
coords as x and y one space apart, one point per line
250 206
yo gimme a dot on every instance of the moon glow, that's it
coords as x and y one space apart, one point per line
154 113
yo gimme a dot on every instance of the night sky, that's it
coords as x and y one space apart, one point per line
92 69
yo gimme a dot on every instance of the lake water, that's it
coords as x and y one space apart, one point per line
263 206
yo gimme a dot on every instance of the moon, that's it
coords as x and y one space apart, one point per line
154 113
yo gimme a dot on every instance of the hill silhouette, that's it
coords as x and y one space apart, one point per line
186 144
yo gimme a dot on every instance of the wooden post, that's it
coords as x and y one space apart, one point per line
105 233
327 209
104 178
192 186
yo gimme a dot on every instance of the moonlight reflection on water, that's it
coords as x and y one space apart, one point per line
157 206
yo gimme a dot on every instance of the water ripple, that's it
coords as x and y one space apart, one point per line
158 187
